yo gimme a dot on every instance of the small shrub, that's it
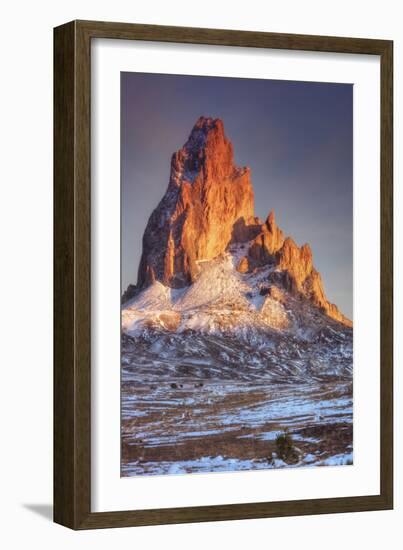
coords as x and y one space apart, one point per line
270 459
285 448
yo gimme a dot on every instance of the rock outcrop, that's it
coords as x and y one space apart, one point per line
207 208
206 195
268 241
293 268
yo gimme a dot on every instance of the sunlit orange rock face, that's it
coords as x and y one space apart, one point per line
206 195
207 207
293 267
298 264
267 242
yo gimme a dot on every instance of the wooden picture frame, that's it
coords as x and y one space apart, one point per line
72 270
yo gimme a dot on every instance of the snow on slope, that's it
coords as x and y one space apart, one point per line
220 299
217 282
227 319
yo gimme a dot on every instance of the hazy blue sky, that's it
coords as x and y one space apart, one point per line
297 137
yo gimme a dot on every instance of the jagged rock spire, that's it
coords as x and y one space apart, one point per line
209 205
206 195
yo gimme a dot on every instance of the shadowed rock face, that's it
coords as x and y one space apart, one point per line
206 195
208 206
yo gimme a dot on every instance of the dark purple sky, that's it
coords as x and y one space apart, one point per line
297 137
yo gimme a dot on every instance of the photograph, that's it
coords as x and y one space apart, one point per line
199 202
236 274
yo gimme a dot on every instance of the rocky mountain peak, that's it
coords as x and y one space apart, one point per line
206 153
207 193
207 209
203 131
271 220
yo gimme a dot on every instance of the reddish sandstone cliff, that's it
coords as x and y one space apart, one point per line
206 195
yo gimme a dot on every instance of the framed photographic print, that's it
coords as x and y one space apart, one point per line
223 275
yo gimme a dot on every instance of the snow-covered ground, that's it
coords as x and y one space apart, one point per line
190 426
220 299
213 372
